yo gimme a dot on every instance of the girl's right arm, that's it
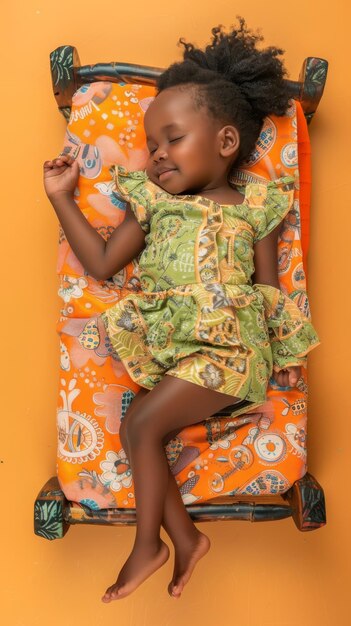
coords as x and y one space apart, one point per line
100 258
266 273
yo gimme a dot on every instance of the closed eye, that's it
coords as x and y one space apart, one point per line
153 150
176 139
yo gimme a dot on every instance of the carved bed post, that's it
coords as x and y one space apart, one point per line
49 511
306 499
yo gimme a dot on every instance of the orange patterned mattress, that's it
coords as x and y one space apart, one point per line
258 453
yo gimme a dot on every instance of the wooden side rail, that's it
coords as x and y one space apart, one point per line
304 502
68 75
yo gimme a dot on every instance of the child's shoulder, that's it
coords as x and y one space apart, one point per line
267 203
132 184
123 175
259 192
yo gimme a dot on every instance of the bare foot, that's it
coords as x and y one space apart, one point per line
142 562
185 561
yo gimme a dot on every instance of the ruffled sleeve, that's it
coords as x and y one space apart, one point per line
268 203
137 189
292 335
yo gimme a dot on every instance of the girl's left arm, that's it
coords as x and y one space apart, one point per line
266 273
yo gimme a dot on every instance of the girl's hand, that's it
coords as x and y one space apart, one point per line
287 377
60 176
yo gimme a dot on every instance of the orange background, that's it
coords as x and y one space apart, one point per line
255 575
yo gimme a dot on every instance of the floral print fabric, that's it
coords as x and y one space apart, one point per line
198 316
261 452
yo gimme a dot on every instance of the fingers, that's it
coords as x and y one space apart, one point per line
57 163
294 375
63 159
67 154
288 377
282 378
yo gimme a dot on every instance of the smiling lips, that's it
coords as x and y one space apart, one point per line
164 172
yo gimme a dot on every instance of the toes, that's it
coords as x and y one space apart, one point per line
175 588
106 597
116 593
109 594
173 593
120 592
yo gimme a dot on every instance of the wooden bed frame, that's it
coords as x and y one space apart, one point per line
304 501
68 75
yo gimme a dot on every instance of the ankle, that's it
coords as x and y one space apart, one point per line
147 544
186 540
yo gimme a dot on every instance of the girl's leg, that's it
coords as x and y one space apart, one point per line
170 406
186 538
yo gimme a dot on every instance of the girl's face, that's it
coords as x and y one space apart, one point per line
184 143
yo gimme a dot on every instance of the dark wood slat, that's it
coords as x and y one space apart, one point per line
245 511
54 513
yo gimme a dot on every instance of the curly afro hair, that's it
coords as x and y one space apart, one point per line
238 83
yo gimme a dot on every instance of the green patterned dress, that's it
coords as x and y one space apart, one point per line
198 316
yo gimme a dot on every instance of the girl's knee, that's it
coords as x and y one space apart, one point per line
143 425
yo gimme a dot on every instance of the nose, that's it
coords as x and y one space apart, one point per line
159 155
